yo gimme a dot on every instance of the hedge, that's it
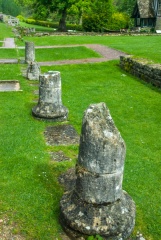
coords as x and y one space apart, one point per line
49 24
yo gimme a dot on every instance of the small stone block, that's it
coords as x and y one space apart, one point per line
9 85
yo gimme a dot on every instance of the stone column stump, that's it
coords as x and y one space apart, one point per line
29 52
33 71
50 106
97 204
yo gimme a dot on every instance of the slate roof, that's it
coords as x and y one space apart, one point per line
145 8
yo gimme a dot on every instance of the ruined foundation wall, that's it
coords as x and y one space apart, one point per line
143 69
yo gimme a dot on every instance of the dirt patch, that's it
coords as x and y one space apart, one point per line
59 156
61 135
64 237
6 231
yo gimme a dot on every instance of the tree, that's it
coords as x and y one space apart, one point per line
9 7
59 6
98 15
125 6
79 8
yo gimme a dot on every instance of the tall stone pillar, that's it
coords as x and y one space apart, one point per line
98 205
50 106
29 52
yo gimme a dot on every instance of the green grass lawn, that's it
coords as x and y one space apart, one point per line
30 192
6 31
8 53
64 53
142 46
37 28
51 54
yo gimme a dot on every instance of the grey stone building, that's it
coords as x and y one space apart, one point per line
147 13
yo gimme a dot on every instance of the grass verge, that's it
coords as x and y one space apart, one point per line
6 31
141 46
8 53
30 192
64 53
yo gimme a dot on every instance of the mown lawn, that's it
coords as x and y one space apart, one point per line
8 53
30 192
64 53
37 28
142 46
6 31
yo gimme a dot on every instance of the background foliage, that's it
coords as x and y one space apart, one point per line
9 7
92 15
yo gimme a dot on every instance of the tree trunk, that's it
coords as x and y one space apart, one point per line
62 22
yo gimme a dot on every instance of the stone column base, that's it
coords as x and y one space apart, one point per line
111 221
49 112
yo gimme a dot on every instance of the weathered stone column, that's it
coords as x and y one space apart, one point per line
98 205
33 71
50 103
29 52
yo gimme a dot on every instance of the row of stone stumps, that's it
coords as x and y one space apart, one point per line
98 205
49 105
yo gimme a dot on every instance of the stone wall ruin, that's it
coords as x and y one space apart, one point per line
143 69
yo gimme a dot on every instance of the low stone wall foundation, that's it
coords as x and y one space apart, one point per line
143 69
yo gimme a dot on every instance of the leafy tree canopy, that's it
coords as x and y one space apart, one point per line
98 12
125 6
9 7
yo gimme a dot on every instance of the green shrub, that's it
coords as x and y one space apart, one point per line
30 21
92 23
46 24
21 18
118 21
42 23
51 24
74 27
